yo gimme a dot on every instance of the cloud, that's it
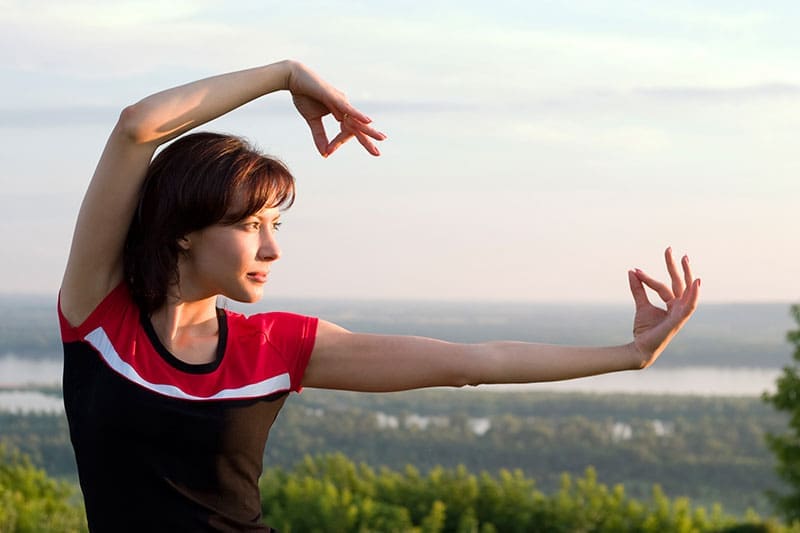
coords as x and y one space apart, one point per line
66 116
745 92
420 106
57 117
731 19
608 139
556 104
97 40
97 13
18 208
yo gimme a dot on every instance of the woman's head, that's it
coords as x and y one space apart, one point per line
197 181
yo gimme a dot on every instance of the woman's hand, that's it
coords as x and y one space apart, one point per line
653 327
314 98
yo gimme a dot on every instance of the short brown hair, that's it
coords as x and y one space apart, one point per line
193 183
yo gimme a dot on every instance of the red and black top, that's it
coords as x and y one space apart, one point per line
162 445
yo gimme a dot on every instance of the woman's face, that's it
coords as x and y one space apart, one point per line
231 259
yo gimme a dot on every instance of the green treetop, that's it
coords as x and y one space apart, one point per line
786 446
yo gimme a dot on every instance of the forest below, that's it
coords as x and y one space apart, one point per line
710 450
331 494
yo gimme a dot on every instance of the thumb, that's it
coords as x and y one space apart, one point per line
319 135
637 290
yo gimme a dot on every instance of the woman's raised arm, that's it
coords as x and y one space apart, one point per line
95 262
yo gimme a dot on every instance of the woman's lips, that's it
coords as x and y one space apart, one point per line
258 277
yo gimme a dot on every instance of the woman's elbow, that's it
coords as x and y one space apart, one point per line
130 124
474 369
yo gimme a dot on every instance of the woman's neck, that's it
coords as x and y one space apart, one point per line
189 330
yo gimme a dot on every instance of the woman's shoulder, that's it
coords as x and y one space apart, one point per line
283 330
266 321
116 305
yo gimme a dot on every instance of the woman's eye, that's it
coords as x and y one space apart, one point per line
254 225
276 225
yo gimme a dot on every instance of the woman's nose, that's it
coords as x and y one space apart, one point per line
269 249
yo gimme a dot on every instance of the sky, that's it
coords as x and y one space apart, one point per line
537 150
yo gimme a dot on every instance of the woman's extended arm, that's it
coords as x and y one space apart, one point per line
95 265
378 363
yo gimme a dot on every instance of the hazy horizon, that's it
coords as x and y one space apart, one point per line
741 335
51 298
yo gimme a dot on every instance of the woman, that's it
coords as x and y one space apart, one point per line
170 399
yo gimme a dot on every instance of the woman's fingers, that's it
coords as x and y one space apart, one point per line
352 123
662 290
687 272
688 286
687 304
672 268
319 135
637 290
691 296
357 125
336 142
314 99
350 112
353 127
343 137
367 144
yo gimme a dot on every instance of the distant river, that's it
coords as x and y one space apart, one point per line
681 381
17 373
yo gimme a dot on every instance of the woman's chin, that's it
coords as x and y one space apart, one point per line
245 297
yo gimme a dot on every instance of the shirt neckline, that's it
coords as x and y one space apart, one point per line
183 366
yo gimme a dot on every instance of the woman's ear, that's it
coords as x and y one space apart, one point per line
184 243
